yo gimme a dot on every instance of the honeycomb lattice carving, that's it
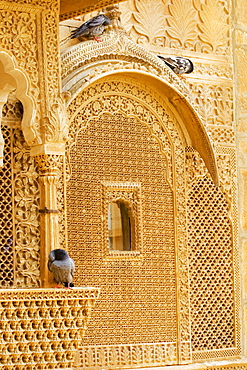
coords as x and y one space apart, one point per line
210 244
42 329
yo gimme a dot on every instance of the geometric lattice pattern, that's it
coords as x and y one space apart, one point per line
211 268
138 296
6 215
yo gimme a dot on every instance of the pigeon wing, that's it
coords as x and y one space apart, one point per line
171 62
96 21
49 265
61 271
72 266
50 260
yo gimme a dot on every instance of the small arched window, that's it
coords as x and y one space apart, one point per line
119 226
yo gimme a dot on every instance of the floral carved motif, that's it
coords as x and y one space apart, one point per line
20 196
191 25
26 198
213 103
149 22
181 24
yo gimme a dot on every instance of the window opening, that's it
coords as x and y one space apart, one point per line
119 227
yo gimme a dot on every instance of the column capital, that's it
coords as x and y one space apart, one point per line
48 149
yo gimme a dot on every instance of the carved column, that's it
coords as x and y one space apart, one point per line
48 168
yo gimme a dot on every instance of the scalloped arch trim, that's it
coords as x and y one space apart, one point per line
87 62
19 81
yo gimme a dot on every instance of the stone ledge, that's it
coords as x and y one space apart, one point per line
240 364
42 329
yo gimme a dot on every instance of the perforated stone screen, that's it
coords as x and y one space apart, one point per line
179 287
138 298
6 215
210 243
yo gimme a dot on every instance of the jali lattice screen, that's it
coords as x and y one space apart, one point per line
19 205
147 305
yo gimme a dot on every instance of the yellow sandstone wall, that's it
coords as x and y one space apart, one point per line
211 34
240 79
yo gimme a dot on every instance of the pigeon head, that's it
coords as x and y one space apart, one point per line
189 67
60 254
107 21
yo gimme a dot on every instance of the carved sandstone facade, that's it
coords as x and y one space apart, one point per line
123 127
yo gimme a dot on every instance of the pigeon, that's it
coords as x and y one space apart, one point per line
92 28
62 267
179 65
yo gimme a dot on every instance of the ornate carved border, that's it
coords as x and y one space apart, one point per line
125 356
